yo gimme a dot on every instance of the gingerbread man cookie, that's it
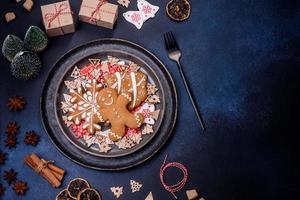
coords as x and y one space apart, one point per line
114 108
133 82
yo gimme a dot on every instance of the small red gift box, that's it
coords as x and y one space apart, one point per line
98 12
58 18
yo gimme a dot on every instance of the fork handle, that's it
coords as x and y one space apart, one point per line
190 95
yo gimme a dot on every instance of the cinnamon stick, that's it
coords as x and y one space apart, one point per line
57 175
41 167
56 169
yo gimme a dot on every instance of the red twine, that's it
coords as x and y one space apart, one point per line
97 9
178 186
50 17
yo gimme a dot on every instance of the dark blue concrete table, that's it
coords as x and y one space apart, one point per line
242 61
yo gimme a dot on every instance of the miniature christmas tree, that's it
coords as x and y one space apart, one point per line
35 39
25 65
11 46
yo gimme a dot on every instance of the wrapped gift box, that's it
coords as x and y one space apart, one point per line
98 12
58 18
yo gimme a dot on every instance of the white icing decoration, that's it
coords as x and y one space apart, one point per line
134 88
110 103
118 75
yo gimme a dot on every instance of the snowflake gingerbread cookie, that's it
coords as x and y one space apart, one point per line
85 107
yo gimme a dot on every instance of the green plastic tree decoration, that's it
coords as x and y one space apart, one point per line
11 46
35 39
26 65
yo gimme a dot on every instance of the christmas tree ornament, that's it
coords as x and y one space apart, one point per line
135 186
178 10
118 191
35 39
149 196
124 3
11 46
26 65
145 12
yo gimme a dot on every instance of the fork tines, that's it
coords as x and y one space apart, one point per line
170 41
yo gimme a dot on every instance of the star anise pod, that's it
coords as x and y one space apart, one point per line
2 190
11 142
2 157
12 128
10 176
20 187
16 103
31 138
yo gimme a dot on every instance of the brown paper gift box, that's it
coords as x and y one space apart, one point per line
105 15
58 18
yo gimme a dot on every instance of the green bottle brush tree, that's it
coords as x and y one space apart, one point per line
25 63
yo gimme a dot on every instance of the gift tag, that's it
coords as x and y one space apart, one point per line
148 9
134 17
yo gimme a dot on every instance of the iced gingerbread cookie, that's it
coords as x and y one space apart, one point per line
113 107
85 107
132 82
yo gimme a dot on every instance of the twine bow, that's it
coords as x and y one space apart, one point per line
42 165
50 17
97 10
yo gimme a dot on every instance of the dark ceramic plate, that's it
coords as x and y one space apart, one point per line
76 149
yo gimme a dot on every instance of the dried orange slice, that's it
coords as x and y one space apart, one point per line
178 10
89 194
77 185
64 195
